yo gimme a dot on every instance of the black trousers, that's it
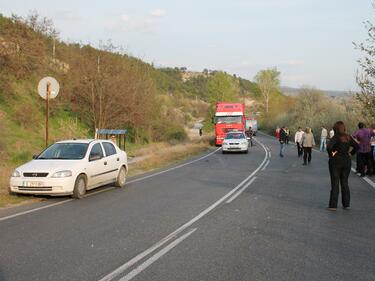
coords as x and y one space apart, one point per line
363 162
307 154
339 170
299 149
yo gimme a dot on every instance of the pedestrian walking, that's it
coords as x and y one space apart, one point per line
282 140
363 136
298 141
323 139
340 163
287 135
308 143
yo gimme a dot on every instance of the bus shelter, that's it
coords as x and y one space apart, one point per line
117 136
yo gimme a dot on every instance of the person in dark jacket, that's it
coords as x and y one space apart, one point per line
282 140
339 151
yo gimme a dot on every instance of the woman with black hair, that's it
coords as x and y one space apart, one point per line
339 149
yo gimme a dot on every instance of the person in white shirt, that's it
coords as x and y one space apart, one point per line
331 133
298 141
323 139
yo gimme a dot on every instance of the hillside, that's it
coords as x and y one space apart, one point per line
99 88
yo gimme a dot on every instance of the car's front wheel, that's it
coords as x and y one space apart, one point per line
121 177
79 187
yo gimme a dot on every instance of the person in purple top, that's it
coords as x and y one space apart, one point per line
363 136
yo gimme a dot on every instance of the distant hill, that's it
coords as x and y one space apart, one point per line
289 91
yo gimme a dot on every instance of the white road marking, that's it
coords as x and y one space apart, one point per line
100 191
353 170
140 256
240 191
370 182
265 166
155 257
34 210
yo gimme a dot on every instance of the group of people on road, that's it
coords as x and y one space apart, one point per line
303 139
340 147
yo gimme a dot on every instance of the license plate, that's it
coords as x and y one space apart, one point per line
32 184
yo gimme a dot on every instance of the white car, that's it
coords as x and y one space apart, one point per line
235 141
71 167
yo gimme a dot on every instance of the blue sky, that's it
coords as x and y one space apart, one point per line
309 41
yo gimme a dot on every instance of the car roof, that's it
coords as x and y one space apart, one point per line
77 141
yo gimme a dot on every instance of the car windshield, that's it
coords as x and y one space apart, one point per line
235 136
65 151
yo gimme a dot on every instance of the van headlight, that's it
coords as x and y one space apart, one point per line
62 174
16 174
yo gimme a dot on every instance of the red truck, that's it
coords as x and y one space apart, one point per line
228 117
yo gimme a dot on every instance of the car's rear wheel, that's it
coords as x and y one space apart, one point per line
246 151
121 177
79 187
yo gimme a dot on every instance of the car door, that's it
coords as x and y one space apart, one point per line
96 167
112 159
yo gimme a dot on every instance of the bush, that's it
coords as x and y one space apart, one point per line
175 132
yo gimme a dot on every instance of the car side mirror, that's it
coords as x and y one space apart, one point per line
95 157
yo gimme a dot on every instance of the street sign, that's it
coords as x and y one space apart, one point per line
53 85
48 88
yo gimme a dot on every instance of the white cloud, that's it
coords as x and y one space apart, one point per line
158 13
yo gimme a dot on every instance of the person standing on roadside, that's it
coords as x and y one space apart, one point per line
340 163
282 140
363 136
372 154
287 135
308 143
277 132
323 139
331 133
298 141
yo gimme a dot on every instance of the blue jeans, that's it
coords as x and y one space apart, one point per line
323 144
282 148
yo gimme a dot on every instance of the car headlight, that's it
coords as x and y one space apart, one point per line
16 174
62 174
226 143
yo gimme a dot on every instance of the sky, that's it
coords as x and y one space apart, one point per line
309 41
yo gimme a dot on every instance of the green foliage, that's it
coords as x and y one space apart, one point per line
222 87
268 81
366 78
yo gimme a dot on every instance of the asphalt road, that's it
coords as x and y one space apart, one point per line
225 217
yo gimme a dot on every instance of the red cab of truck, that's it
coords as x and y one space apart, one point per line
228 117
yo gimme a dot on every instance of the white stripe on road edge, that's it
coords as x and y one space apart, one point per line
107 189
265 166
34 210
370 182
174 168
366 179
155 257
240 191
140 256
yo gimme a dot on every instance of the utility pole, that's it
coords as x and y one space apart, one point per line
47 109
